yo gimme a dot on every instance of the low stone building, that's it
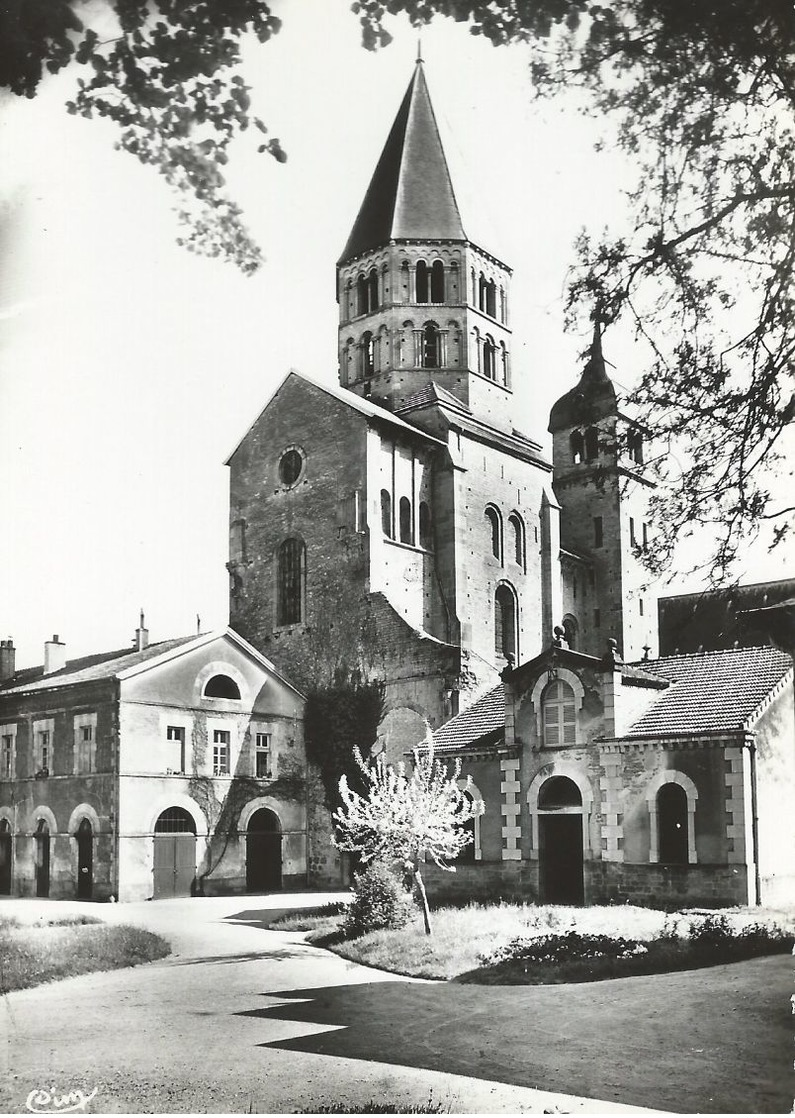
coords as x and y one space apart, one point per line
162 770
661 782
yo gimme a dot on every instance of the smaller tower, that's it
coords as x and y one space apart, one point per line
597 455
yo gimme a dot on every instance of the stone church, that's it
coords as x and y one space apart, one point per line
400 524
399 527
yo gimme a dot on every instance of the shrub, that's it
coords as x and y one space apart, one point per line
567 948
379 901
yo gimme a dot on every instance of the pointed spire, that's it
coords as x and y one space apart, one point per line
410 196
595 369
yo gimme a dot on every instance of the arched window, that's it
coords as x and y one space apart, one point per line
290 579
361 294
468 853
367 354
557 792
672 824
591 444
372 290
489 358
505 622
495 528
559 716
430 347
577 447
221 687
386 514
635 447
517 533
454 280
426 534
437 282
405 281
174 821
482 292
491 298
505 371
405 521
570 631
423 284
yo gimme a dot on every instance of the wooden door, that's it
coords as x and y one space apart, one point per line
561 858
85 861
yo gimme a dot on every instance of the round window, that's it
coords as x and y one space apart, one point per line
290 465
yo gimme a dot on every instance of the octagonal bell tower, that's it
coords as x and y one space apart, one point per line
419 302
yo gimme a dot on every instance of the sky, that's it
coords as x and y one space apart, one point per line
130 368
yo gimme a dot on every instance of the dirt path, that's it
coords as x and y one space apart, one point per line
245 1019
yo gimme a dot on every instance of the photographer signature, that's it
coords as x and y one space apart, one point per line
43 1101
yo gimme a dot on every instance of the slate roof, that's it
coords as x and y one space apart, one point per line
591 399
711 691
481 724
85 669
410 196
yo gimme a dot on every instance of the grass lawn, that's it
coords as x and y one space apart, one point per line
510 944
32 953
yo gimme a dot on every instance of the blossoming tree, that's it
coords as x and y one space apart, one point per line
408 817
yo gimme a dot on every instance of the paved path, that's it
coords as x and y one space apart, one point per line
242 1019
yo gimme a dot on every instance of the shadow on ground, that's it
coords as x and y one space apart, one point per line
718 1040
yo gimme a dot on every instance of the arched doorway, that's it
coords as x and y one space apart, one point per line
560 840
174 853
263 852
5 858
85 860
42 859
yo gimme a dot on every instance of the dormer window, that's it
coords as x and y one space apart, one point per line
221 687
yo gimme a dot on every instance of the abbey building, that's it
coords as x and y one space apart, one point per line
397 526
400 524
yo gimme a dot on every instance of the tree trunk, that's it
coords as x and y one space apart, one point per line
423 897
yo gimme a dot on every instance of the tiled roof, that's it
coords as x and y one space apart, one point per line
483 723
410 196
101 665
433 393
711 691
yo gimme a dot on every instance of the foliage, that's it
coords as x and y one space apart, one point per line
34 953
337 718
167 73
406 818
703 98
381 1107
379 901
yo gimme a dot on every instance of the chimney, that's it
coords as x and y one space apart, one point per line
54 655
7 660
141 636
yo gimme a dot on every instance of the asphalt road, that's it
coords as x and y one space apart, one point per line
240 1019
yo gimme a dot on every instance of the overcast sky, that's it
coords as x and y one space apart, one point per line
129 369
